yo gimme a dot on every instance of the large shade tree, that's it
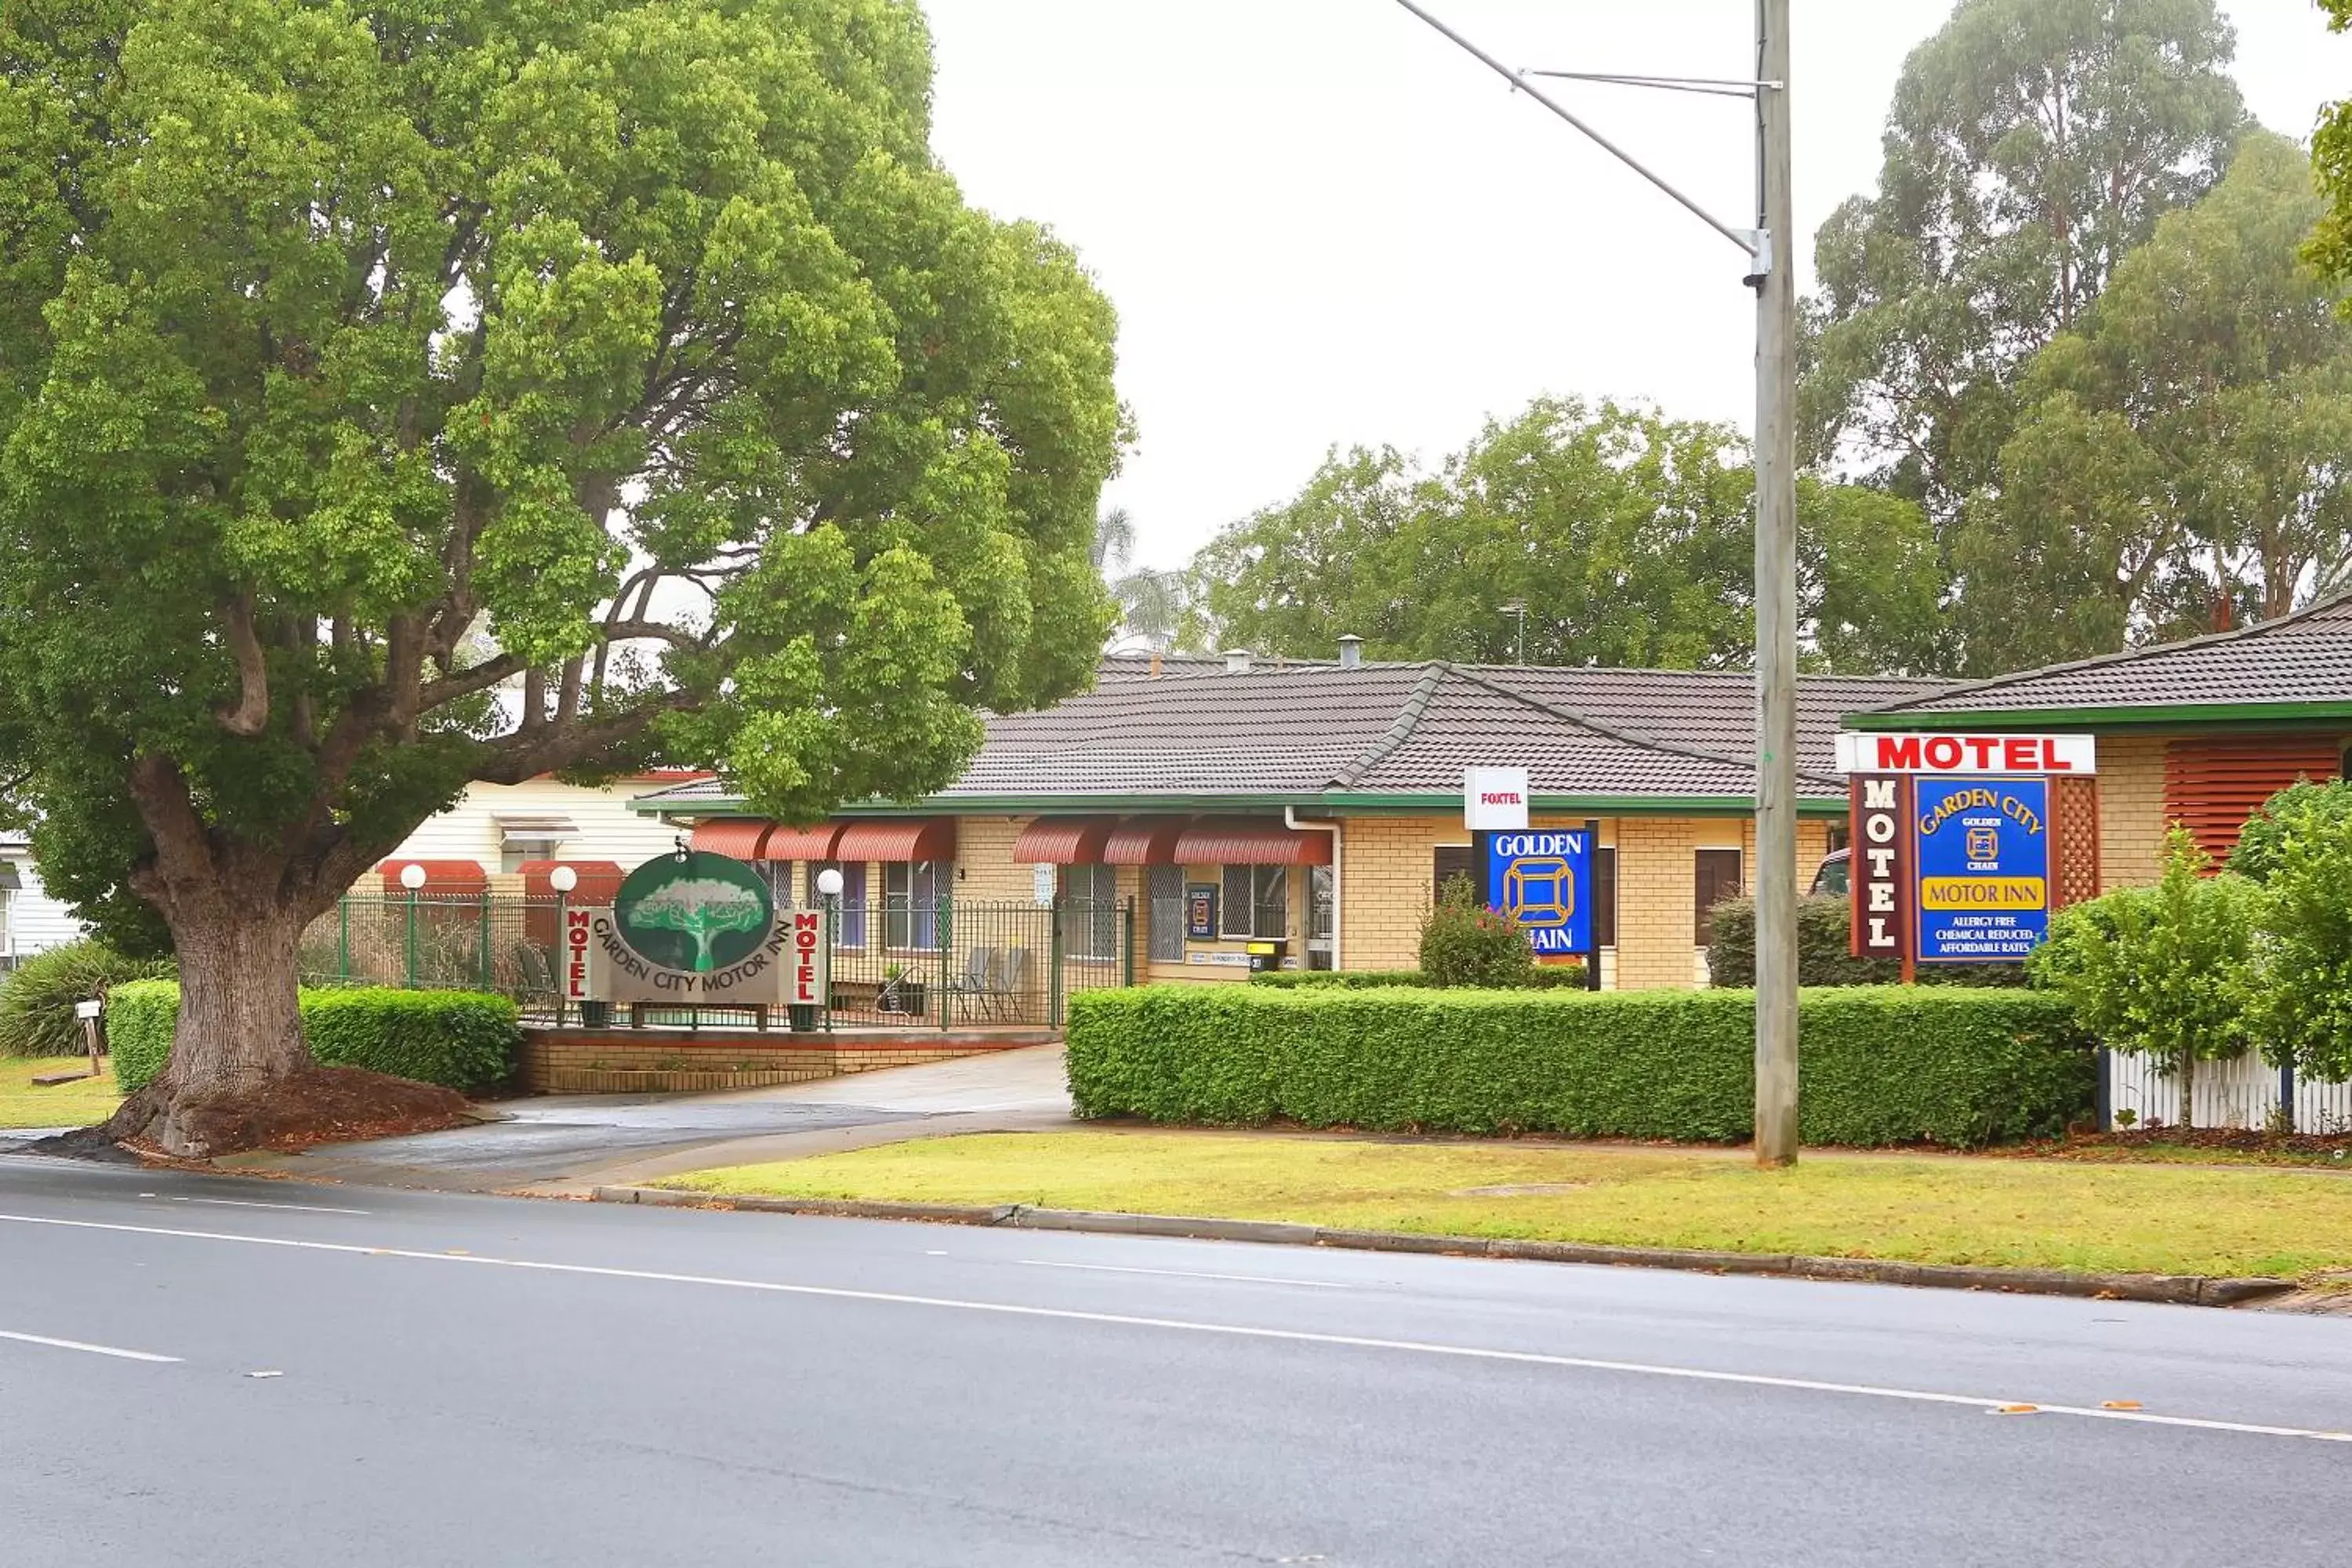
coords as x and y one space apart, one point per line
2180 461
395 395
1628 537
2030 145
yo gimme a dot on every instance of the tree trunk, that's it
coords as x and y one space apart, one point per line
239 1044
2187 1076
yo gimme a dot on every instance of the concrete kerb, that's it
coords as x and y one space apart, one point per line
2175 1290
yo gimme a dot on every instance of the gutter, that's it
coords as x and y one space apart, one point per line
1290 819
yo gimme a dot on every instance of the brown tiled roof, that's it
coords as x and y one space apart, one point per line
2300 660
1393 730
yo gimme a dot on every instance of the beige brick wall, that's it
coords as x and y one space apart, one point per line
2131 810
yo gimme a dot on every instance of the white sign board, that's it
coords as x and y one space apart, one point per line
584 956
1044 880
1495 800
87 1009
810 958
1965 754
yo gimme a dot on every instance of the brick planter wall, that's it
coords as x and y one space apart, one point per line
634 1061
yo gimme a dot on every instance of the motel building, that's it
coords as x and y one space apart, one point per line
1298 815
1220 814
2199 733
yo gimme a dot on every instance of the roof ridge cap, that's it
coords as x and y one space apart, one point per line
1408 718
1626 737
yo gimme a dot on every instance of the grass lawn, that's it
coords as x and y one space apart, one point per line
61 1105
2141 1218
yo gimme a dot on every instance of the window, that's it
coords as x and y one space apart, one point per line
851 929
1257 902
1322 892
1838 838
778 875
1090 910
1718 878
1448 861
910 905
1165 885
514 852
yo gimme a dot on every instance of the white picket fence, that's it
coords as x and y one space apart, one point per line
2245 1092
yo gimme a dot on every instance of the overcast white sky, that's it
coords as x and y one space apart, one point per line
1321 223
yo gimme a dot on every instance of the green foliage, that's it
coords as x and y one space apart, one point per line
2030 144
1824 950
2175 465
1539 977
636 357
2163 971
2303 1009
1880 1066
2305 810
1629 536
460 1039
2330 247
38 997
1463 943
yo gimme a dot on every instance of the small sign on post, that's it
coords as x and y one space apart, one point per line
93 1031
1044 881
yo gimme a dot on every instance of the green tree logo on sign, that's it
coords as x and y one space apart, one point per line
701 913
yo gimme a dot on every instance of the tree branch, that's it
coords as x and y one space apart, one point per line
251 714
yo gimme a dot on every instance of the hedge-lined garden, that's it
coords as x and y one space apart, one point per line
464 1040
1881 1066
1538 977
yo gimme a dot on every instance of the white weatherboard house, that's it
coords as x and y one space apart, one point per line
30 920
502 828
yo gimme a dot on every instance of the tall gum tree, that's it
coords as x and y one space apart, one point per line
399 394
2030 145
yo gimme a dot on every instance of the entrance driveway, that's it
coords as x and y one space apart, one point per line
566 1143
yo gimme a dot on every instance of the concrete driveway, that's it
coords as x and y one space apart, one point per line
564 1143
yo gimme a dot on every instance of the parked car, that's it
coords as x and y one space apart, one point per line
1836 873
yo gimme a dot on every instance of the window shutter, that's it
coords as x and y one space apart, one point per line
2211 786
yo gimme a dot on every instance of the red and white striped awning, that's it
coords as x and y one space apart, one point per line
741 837
1250 844
1144 841
1064 841
813 842
902 838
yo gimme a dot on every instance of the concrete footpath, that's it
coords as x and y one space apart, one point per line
563 1145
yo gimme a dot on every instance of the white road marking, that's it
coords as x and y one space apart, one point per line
1233 1331
1187 1274
115 1351
250 1204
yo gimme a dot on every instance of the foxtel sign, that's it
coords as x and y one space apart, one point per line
1968 756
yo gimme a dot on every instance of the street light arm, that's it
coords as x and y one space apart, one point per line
1748 241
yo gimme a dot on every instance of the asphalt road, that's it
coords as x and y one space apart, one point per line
404 1379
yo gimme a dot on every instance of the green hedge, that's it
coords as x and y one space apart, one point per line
463 1040
1543 977
1824 956
1880 1064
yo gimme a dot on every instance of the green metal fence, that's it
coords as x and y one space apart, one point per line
943 963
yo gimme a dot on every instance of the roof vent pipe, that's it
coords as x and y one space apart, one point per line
1237 661
1352 652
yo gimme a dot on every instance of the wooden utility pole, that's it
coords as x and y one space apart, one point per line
1776 601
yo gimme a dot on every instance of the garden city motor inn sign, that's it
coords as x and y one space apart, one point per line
695 929
1951 842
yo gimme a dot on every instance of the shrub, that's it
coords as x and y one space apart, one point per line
2162 971
1464 944
2306 811
1879 1064
2302 1005
1539 977
1824 955
463 1040
37 1001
